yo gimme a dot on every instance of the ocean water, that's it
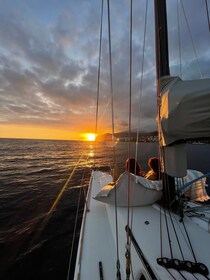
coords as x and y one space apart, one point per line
40 183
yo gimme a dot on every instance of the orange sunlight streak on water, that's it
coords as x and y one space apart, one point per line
49 213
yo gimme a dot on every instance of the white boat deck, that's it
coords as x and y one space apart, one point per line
98 242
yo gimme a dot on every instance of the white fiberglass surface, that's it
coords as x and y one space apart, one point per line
100 239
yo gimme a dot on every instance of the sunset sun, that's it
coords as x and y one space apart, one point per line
90 137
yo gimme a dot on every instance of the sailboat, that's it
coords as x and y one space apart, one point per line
135 228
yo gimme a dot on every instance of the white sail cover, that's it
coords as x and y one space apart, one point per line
185 109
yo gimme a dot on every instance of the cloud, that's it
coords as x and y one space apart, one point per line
38 79
49 61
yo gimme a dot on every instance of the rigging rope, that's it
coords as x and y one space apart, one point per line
207 12
177 238
99 66
139 115
179 40
129 119
75 227
127 254
188 27
111 86
113 139
189 241
142 71
110 68
141 80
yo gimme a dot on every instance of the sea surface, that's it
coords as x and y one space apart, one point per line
40 184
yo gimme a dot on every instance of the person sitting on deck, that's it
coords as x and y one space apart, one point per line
133 167
154 172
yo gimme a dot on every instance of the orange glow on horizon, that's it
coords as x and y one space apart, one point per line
35 132
43 132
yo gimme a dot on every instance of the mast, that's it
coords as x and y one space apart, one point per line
162 69
161 34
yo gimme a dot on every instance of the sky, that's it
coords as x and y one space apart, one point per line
49 64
